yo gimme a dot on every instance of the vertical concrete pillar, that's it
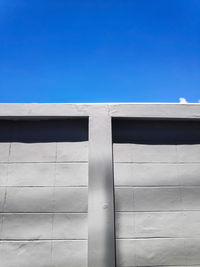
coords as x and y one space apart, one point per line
101 234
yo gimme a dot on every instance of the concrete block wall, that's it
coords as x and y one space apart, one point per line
43 201
44 185
157 202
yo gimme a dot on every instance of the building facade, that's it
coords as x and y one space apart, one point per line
99 185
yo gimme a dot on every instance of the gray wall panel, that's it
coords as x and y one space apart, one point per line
3 174
191 224
158 252
71 199
2 198
29 199
71 174
189 174
44 174
156 153
148 199
48 152
70 226
69 253
33 152
153 224
147 174
191 198
4 152
43 253
24 253
144 153
157 193
45 199
73 151
157 224
188 153
157 199
43 194
156 174
151 252
27 226
24 226
31 174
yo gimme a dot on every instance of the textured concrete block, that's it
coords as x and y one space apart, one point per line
1 225
27 226
124 199
159 252
125 224
188 153
192 248
154 153
31 174
71 174
33 152
149 224
146 174
122 153
70 253
148 199
189 174
29 199
3 174
70 226
144 153
191 224
2 197
125 253
159 224
25 254
4 152
71 199
191 198
157 199
72 151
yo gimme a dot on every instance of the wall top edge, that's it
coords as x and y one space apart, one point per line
105 103
135 110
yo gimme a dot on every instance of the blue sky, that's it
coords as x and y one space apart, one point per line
99 51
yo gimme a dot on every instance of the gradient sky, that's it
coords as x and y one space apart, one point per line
99 50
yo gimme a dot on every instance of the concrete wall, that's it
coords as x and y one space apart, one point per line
157 193
43 193
46 217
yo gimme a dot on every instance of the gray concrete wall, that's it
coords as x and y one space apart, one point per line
157 193
43 194
44 185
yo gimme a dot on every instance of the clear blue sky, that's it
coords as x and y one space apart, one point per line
99 50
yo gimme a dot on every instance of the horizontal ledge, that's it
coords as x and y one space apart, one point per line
43 186
157 162
51 240
42 162
156 186
43 240
65 110
42 213
182 265
164 211
148 211
154 238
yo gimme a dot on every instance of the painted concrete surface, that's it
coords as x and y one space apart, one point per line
44 196
157 191
58 168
